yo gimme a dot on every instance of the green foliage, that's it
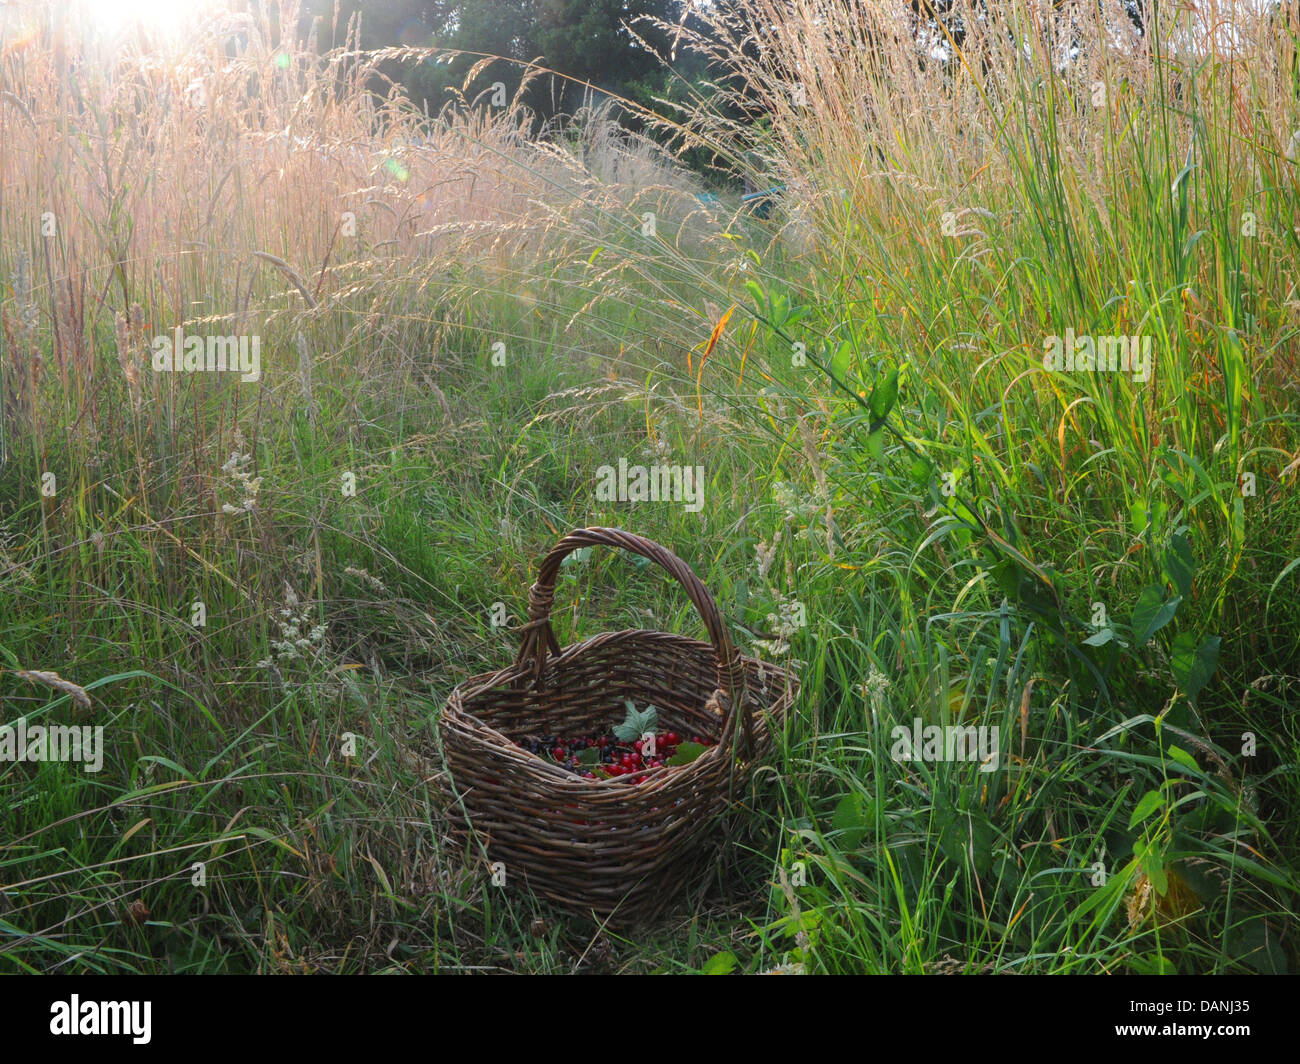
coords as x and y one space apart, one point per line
637 723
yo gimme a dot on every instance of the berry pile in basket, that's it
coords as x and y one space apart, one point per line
633 747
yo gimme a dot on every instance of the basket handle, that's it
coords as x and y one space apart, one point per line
539 638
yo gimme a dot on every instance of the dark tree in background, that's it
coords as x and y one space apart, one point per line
583 39
586 38
589 41
383 22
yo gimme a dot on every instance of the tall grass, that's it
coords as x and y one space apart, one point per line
1057 174
949 549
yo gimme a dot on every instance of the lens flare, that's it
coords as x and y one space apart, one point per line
109 17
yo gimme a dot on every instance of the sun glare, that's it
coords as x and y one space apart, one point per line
154 16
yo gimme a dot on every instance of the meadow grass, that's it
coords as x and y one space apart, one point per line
460 323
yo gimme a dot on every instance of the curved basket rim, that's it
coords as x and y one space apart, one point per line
479 681
475 731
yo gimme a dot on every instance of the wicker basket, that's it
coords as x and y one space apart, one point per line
611 848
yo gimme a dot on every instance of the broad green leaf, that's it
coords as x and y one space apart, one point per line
840 361
1179 565
1149 803
965 837
686 753
883 396
1152 613
1155 871
723 963
1007 575
1258 946
1138 516
1177 753
876 445
780 311
1193 663
1100 639
636 723
853 817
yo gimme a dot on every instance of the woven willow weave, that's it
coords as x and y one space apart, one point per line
609 847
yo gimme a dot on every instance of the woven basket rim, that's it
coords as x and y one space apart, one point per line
475 731
767 668
484 682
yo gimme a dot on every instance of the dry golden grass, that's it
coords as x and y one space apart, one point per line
236 182
875 144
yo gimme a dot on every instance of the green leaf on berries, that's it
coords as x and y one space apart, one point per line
686 753
636 723
589 756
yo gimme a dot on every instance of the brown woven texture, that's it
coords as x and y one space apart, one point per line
610 848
